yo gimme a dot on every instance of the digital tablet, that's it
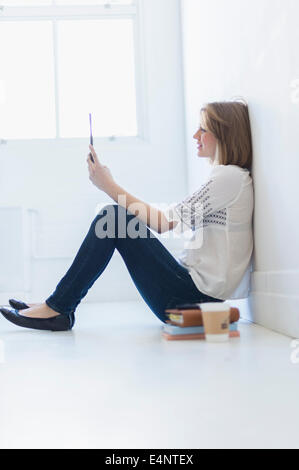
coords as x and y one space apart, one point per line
91 136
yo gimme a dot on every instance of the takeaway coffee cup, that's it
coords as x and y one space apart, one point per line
216 320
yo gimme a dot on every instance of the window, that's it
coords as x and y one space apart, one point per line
27 80
27 3
63 59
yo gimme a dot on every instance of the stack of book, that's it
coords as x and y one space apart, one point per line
186 322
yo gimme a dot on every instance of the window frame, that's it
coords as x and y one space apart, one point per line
55 13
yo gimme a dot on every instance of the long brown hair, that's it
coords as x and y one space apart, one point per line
229 122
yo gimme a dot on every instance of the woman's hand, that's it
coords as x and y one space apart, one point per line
99 174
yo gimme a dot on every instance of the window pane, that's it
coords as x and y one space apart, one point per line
28 3
94 2
97 74
25 3
27 80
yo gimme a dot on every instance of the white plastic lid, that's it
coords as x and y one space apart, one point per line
215 306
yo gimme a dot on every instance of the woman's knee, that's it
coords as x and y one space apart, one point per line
113 221
112 209
105 222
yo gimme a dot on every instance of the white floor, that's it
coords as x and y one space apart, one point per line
113 382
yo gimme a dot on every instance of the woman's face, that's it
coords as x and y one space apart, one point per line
207 142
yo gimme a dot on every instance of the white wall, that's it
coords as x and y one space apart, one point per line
51 176
250 48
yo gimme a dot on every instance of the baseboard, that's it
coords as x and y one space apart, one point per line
274 301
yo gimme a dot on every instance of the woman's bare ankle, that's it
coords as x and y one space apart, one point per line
40 311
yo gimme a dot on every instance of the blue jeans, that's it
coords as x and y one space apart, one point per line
160 279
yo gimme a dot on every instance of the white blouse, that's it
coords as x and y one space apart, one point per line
217 224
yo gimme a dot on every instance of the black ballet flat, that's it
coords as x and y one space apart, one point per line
17 304
59 323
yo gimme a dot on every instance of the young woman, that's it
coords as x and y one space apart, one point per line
215 260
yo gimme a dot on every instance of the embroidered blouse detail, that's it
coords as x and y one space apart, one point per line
220 212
